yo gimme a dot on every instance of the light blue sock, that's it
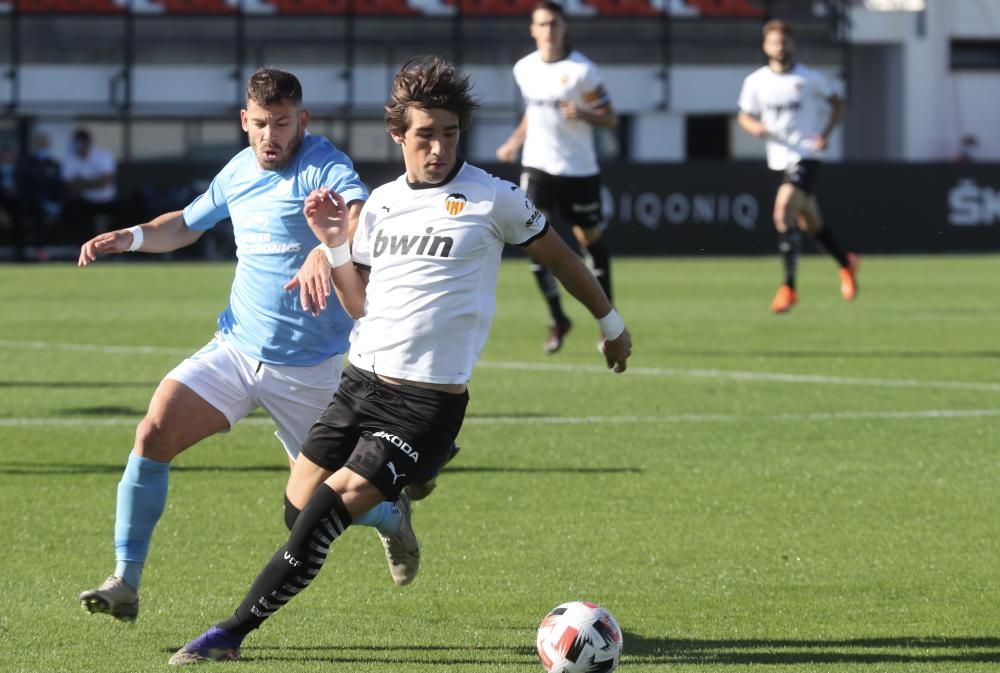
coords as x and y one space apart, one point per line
384 517
142 495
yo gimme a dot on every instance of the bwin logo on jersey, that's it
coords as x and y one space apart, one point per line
435 246
399 444
455 203
782 108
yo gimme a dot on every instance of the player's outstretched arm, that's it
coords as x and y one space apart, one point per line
329 218
552 252
313 280
161 234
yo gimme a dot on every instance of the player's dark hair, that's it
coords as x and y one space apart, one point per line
268 86
429 83
82 135
553 7
776 25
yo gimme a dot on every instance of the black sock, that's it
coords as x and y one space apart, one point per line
550 290
825 237
601 261
291 513
790 245
294 566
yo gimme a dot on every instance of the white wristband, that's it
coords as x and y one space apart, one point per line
136 238
612 325
338 255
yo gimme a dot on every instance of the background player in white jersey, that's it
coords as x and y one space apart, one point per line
795 109
426 256
565 98
271 350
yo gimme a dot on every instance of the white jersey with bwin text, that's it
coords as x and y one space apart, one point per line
434 255
554 144
794 106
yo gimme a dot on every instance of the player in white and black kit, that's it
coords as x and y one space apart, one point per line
564 98
421 281
795 109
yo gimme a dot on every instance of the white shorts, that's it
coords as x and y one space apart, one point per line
235 384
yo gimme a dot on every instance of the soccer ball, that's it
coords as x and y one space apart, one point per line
579 637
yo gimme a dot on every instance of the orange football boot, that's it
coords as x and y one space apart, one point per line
849 277
784 300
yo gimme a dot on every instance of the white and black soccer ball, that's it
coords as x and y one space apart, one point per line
579 637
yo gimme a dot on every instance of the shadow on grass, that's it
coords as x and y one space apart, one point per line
509 414
473 469
664 651
26 468
149 385
880 354
902 649
107 410
107 468
432 655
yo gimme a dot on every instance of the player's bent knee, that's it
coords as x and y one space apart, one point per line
155 441
358 493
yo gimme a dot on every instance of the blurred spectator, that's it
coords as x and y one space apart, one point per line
968 149
39 181
8 195
89 174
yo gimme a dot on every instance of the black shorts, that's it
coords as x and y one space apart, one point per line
802 174
575 199
391 435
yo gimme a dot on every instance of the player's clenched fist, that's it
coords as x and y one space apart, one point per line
326 214
617 351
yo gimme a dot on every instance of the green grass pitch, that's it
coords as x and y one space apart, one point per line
818 491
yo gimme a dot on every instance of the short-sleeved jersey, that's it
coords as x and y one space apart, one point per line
263 320
554 144
434 255
794 106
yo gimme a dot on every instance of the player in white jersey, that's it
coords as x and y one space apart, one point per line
271 350
421 280
795 109
565 99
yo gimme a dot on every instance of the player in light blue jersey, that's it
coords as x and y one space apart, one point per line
274 348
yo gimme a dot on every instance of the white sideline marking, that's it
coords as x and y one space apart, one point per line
96 348
582 420
747 376
664 372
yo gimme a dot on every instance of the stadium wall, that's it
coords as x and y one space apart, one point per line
712 208
942 97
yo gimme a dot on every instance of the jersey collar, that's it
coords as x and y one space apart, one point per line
431 185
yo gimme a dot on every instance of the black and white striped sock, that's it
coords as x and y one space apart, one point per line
294 566
790 245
